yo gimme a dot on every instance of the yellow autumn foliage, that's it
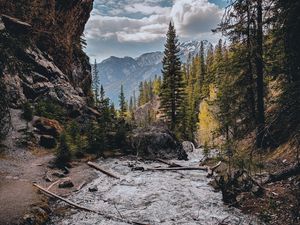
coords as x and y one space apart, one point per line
207 123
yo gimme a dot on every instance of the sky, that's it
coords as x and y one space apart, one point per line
133 27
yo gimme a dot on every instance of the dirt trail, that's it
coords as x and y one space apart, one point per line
17 194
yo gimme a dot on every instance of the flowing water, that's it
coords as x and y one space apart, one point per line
160 197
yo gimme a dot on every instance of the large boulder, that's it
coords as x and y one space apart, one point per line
47 141
156 142
48 127
188 146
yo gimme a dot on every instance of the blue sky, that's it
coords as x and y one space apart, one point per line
133 27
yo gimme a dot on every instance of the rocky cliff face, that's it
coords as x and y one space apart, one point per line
42 57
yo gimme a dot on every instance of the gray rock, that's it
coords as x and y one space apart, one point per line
156 142
66 184
58 174
47 127
93 189
188 146
47 141
37 215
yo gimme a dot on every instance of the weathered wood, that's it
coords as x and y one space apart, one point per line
211 170
85 208
47 178
204 168
171 164
51 185
216 166
97 167
80 186
64 199
284 174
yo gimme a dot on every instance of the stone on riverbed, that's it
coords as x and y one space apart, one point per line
93 189
66 184
188 146
156 142
47 141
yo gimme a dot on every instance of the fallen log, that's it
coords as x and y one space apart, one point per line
85 208
171 164
64 200
95 166
204 168
284 174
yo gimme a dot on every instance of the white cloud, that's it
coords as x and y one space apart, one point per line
132 27
147 9
125 29
193 17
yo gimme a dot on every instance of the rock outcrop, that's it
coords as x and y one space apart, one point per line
45 44
46 126
156 142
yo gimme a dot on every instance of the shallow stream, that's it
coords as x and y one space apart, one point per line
160 197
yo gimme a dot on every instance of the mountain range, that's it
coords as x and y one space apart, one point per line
129 71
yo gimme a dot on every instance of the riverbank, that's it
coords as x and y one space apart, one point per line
279 203
20 201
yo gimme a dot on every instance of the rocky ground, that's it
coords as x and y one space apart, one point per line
279 202
22 166
19 200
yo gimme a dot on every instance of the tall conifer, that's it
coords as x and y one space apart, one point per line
172 90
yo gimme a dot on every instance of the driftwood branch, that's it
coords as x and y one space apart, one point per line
48 188
171 164
204 168
95 166
80 186
211 170
64 199
289 172
84 208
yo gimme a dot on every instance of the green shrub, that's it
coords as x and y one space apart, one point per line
63 154
51 110
27 112
76 139
205 150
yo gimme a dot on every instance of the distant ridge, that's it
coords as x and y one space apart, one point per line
129 71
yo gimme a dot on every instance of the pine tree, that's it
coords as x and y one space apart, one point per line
95 82
260 135
134 101
141 99
122 103
102 94
172 90
202 75
131 108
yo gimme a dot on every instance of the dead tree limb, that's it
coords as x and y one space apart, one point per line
211 170
80 186
284 174
95 166
171 164
50 186
84 208
204 168
64 200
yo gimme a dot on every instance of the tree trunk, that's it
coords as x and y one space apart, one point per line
260 135
285 174
250 69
